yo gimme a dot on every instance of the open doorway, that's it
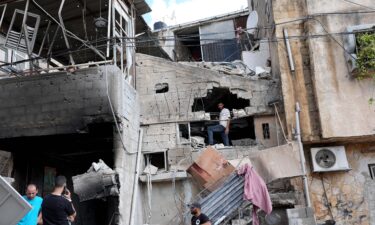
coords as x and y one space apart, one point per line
39 159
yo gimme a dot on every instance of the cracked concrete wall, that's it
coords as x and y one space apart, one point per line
128 108
160 113
186 83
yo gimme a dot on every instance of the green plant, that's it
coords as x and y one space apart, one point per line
366 54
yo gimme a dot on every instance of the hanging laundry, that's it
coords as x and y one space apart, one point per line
255 190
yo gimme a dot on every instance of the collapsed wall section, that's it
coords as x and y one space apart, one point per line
187 83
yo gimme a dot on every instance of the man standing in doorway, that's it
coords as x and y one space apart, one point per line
222 127
198 217
33 216
57 207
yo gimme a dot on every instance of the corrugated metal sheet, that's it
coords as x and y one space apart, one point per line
225 200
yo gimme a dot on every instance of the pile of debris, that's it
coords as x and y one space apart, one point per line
237 67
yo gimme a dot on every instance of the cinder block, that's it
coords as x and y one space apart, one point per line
300 212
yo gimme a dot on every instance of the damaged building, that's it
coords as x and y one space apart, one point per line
179 91
68 101
125 127
316 48
90 92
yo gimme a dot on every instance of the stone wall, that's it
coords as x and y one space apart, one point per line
349 194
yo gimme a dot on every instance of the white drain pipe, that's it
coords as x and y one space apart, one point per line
136 178
302 156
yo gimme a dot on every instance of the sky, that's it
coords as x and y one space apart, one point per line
181 11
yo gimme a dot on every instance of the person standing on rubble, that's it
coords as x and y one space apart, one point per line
198 217
33 217
222 127
57 207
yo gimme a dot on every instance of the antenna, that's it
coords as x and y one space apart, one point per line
252 22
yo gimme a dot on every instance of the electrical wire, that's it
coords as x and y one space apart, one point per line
114 115
272 40
368 7
325 195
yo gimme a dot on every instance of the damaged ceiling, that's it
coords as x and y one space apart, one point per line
79 18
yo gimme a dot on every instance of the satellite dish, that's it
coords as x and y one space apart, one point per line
252 22
325 158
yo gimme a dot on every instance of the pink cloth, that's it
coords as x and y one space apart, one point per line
255 190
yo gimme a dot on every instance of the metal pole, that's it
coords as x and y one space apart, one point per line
302 156
289 50
64 32
77 65
3 14
135 187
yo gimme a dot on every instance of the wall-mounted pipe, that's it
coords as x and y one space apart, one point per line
136 178
289 50
302 156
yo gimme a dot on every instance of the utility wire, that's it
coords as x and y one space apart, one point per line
368 7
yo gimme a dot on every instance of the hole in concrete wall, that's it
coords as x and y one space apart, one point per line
158 159
161 88
217 95
372 170
242 131
266 130
184 133
39 159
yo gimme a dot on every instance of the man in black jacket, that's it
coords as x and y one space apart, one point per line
198 217
57 207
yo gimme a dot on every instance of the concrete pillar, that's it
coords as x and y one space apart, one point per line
124 165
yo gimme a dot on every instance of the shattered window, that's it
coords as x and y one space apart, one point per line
266 130
157 159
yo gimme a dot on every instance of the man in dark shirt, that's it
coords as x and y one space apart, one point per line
57 207
198 217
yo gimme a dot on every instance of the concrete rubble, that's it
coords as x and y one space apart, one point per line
134 105
98 182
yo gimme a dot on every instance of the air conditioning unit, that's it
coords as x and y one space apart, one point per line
326 159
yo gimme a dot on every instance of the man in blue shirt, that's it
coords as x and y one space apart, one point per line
35 201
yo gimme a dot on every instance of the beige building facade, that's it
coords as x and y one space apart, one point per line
313 46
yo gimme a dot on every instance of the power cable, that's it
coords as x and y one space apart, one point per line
368 7
114 115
